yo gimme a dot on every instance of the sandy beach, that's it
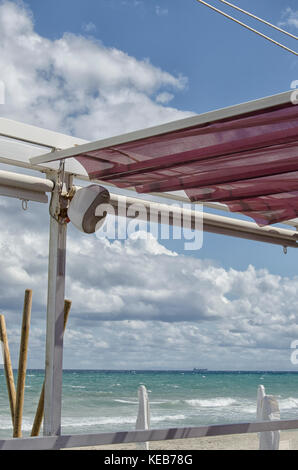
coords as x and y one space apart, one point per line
288 441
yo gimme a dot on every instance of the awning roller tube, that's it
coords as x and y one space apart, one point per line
32 188
30 183
213 223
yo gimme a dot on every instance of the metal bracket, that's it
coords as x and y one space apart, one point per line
62 193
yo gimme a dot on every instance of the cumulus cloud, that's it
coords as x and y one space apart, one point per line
78 85
164 97
138 304
289 18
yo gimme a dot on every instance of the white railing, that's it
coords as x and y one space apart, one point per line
125 437
268 426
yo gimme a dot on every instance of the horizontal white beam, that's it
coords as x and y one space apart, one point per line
37 135
173 126
125 437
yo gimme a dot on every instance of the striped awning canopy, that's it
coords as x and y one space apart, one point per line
247 160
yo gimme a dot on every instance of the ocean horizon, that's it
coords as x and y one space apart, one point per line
168 370
107 400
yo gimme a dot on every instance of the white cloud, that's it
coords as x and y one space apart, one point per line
137 304
164 97
289 18
160 11
133 3
89 27
76 84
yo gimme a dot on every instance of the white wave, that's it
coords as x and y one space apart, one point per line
284 404
92 421
158 419
211 402
167 402
161 402
251 409
116 420
126 401
78 386
5 423
288 403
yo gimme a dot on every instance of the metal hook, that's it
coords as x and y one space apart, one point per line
24 204
285 250
62 172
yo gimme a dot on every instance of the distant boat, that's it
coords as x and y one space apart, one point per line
199 370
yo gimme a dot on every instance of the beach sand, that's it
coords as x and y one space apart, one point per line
288 441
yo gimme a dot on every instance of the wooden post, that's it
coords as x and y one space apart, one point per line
8 368
40 408
143 419
17 428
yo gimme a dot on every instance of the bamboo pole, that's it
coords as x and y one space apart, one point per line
8 368
40 407
17 429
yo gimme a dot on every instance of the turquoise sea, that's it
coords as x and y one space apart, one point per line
99 401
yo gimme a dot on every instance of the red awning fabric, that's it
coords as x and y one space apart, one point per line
248 162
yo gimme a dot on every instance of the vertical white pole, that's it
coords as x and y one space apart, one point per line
143 418
268 410
55 316
260 398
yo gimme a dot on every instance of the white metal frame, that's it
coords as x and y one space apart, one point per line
55 309
181 124
62 146
49 140
37 135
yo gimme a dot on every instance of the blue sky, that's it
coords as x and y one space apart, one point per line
94 69
224 64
